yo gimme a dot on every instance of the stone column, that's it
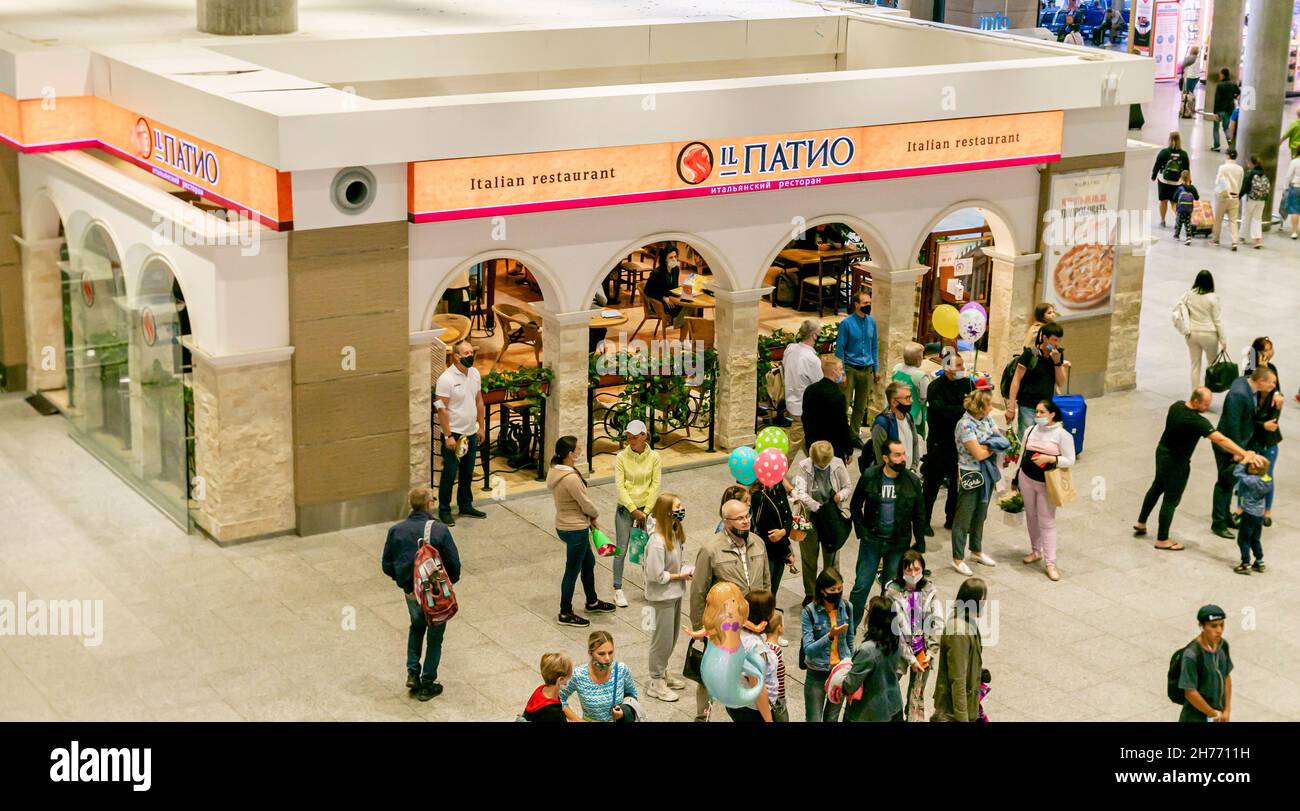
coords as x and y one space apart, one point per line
1263 95
1011 305
425 346
1121 361
1225 45
893 305
244 17
564 351
43 314
243 425
736 339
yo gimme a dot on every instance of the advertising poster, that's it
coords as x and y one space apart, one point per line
1079 237
1141 20
1165 49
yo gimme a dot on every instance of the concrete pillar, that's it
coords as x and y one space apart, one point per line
1121 361
1225 44
244 17
893 305
243 449
43 315
13 343
564 351
1263 95
1011 304
736 338
424 347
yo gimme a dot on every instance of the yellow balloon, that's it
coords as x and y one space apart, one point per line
945 319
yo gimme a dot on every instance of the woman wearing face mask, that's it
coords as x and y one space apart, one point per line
826 641
1043 314
919 625
978 442
822 487
604 685
665 585
961 657
1268 413
575 515
1047 446
664 279
771 517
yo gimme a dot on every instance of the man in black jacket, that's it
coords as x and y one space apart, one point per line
404 540
943 409
1225 101
1237 422
887 513
825 411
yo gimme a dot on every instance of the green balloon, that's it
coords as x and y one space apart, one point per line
772 437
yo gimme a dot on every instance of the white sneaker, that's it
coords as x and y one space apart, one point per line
785 643
983 558
675 683
659 689
962 568
620 599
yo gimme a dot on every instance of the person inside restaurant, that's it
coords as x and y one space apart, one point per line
663 280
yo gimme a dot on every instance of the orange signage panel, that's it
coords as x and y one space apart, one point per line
460 188
229 179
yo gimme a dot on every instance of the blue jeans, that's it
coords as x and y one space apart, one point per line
1269 452
1250 528
459 472
623 537
815 705
870 551
579 557
415 640
1223 120
1025 419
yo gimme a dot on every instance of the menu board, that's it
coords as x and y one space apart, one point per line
1165 35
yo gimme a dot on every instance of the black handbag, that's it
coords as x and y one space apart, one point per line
694 657
831 526
1221 373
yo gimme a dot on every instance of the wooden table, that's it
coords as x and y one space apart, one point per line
700 301
601 322
453 331
804 257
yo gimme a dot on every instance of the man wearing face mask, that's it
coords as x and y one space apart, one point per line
895 424
944 400
1038 372
855 345
734 555
825 411
887 512
459 402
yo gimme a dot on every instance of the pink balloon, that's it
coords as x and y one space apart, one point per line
770 467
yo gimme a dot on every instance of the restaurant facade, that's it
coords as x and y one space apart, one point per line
227 254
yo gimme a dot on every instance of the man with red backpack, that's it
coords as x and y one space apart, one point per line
400 551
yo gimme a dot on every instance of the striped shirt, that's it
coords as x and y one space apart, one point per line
780 672
598 700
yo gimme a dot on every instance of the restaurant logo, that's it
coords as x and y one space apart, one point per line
695 163
142 139
87 289
148 326
187 157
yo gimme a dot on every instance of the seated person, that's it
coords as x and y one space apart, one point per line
663 280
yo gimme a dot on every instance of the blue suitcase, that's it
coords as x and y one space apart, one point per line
1074 416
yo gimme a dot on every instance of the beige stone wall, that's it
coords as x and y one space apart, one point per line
736 339
1121 364
564 350
243 449
893 305
421 411
13 340
1011 305
43 316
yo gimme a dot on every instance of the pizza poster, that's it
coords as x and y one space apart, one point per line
1081 228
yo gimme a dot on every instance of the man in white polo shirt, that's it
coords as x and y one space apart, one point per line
460 414
802 368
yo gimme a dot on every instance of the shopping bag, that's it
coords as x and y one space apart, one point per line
636 544
1221 373
1060 487
602 544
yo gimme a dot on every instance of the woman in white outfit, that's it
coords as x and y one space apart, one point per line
665 585
1205 338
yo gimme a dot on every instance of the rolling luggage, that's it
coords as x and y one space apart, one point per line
1074 415
1188 107
1202 218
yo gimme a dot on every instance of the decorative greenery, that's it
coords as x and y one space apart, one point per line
109 348
652 386
766 343
1012 455
1012 502
529 381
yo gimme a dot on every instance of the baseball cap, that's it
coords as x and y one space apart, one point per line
982 383
1210 613
634 427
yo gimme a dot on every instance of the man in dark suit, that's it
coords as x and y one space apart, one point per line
944 408
825 411
1238 424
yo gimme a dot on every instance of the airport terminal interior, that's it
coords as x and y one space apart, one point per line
256 254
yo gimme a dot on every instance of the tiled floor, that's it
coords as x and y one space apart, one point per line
309 628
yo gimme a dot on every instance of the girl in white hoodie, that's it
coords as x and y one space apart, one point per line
1047 446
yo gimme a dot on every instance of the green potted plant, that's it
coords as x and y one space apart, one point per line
1012 505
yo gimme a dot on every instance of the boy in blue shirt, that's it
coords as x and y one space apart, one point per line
1252 488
